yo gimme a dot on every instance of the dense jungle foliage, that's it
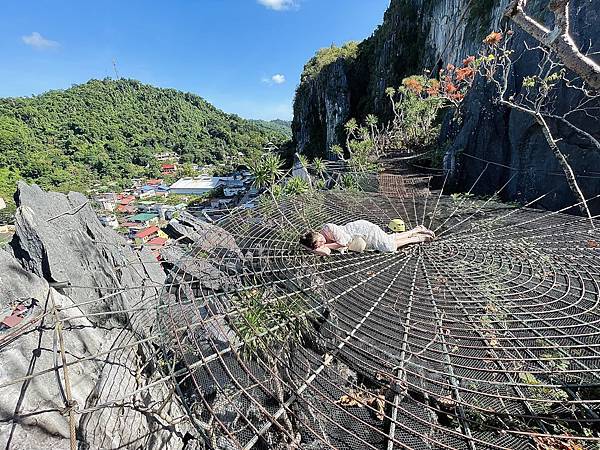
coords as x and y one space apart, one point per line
109 131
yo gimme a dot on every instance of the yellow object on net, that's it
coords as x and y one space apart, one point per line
397 225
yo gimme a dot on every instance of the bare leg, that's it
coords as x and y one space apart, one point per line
405 234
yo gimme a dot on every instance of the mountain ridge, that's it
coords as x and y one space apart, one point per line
111 129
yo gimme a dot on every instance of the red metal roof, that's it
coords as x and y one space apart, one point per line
130 225
154 182
12 321
126 200
157 241
147 232
168 166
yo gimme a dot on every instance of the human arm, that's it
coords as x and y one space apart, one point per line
334 245
418 239
323 250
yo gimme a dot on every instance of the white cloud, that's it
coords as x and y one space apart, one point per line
278 78
279 5
36 40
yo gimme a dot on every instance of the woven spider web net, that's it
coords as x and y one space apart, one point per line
487 337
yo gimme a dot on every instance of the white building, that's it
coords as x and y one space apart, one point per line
109 221
107 201
195 186
2 203
166 156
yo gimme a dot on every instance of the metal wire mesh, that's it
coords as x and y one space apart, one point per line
488 337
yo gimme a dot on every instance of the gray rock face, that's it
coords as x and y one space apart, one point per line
514 142
109 307
321 108
415 35
418 35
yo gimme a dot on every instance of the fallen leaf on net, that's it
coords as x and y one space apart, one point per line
352 399
551 443
447 401
378 403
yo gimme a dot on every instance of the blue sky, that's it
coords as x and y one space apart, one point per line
244 56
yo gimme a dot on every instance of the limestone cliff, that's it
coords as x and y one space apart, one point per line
415 35
424 35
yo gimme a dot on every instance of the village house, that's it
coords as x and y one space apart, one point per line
168 169
107 201
109 221
166 156
157 243
146 234
144 219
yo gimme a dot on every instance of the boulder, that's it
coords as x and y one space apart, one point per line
107 305
205 236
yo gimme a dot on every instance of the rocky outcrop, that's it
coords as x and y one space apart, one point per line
415 35
105 312
321 108
418 35
188 229
510 147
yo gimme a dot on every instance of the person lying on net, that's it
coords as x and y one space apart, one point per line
336 237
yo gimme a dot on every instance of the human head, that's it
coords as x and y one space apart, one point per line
312 240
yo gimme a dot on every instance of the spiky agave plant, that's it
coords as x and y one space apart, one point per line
267 169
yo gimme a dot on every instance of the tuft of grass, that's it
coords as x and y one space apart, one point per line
539 392
269 323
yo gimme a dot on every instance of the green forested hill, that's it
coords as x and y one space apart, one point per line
281 126
110 130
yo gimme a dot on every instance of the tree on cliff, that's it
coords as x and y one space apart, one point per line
558 40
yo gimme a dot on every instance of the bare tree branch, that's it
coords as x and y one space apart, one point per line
577 130
536 99
559 39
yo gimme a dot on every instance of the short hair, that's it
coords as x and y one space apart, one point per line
309 239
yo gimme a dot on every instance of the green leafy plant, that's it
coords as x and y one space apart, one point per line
268 322
541 392
296 186
319 166
267 170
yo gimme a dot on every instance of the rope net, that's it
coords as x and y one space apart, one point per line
487 337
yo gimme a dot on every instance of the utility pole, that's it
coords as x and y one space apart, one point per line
114 61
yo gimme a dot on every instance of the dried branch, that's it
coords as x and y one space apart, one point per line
558 39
